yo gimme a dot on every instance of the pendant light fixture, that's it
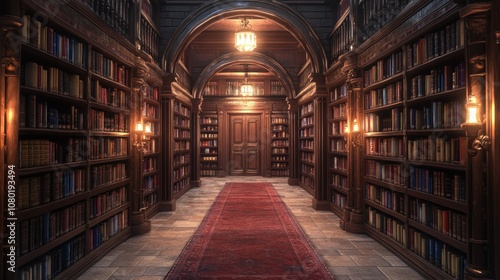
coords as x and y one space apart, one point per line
245 38
246 88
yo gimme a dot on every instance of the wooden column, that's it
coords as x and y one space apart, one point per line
320 200
293 157
476 19
195 143
167 200
10 22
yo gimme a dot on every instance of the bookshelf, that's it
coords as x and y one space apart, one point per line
151 153
306 146
117 14
209 147
338 171
279 144
415 150
74 151
181 168
222 86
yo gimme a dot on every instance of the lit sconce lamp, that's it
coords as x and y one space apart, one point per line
356 141
473 124
245 38
143 133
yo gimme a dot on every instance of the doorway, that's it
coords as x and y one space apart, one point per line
244 144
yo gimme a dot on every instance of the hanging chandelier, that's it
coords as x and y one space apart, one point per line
246 88
245 39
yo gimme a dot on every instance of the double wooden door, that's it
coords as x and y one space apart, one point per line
244 142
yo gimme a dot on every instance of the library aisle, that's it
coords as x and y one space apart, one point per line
150 256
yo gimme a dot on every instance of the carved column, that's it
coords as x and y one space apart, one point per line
139 221
195 139
476 19
293 151
320 200
167 201
10 22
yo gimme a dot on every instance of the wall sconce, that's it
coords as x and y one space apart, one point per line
473 124
356 135
142 134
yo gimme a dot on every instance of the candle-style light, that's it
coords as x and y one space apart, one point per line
246 88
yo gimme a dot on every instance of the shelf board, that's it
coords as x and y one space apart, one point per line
50 206
386 210
438 200
384 107
438 235
108 187
25 171
383 82
96 220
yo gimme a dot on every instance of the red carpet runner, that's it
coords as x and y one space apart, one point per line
249 233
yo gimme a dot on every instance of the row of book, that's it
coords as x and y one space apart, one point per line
307 121
182 159
208 172
151 92
182 133
150 199
41 230
450 185
101 175
387 225
182 122
107 229
109 68
51 79
391 146
378 122
440 149
278 143
388 198
306 109
108 147
212 151
277 88
209 128
306 144
279 134
437 253
279 151
394 173
55 261
109 121
42 152
338 145
181 109
108 95
150 182
211 88
208 120
340 163
150 110
448 222
47 187
149 164
339 181
279 120
438 80
338 93
208 143
306 181
339 111
306 169
437 114
307 157
279 173
339 199
279 165
35 112
338 128
375 14
384 68
436 43
181 185
45 38
180 172
386 95
105 202
182 145
209 158
116 13
279 158
306 132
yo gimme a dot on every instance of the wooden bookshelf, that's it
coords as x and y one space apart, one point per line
279 144
181 169
415 150
222 86
338 157
74 151
209 145
306 146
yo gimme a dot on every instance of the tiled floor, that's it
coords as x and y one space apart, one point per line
150 256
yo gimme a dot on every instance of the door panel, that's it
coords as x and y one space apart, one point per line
244 144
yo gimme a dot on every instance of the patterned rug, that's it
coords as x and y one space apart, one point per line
249 233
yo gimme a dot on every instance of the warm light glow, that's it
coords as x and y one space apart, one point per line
139 127
355 126
245 39
346 128
148 128
472 111
246 89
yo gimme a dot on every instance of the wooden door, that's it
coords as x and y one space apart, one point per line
244 144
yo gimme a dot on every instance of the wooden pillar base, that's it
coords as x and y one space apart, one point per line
293 182
355 223
346 216
140 224
195 184
167 205
320 204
